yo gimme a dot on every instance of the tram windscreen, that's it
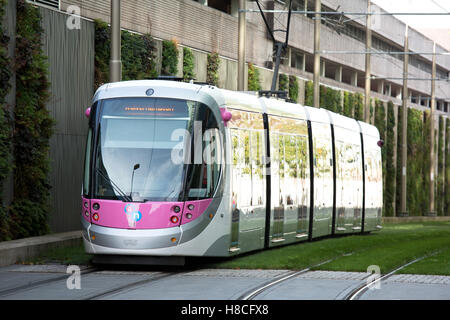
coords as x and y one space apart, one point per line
145 149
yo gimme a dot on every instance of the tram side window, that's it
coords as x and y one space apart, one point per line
203 177
87 162
247 135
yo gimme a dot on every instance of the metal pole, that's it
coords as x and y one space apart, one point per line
241 47
368 78
403 211
317 55
279 47
432 111
115 63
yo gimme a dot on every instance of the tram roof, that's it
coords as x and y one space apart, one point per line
215 98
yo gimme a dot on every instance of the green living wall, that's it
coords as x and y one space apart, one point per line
253 82
33 127
212 68
390 171
440 179
446 170
138 55
5 122
188 64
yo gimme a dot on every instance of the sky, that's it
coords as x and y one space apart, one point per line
419 22
434 27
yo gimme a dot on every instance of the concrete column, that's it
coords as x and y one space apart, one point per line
398 94
287 61
316 78
354 79
388 88
338 74
322 68
367 83
304 62
380 86
115 63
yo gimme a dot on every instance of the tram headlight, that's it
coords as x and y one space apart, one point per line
96 206
191 207
189 216
176 209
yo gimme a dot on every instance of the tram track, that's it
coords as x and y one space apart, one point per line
32 285
361 289
134 284
353 295
252 293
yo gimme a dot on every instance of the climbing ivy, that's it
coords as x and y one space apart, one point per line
253 83
188 64
169 62
417 182
440 178
389 194
212 68
283 82
309 93
33 128
138 55
293 88
5 122
447 169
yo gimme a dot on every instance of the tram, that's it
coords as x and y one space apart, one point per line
176 169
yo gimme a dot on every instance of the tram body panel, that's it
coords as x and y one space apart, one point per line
223 206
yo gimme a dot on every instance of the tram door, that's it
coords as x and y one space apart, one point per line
323 179
248 181
289 176
349 193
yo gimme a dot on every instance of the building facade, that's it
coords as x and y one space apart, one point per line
207 26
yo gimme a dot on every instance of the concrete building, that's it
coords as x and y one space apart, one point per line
212 26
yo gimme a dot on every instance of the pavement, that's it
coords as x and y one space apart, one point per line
25 249
50 282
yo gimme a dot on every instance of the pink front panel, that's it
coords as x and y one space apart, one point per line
147 215
85 206
199 207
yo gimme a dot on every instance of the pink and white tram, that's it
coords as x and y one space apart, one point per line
176 169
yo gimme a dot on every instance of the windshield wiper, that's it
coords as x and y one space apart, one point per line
123 194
